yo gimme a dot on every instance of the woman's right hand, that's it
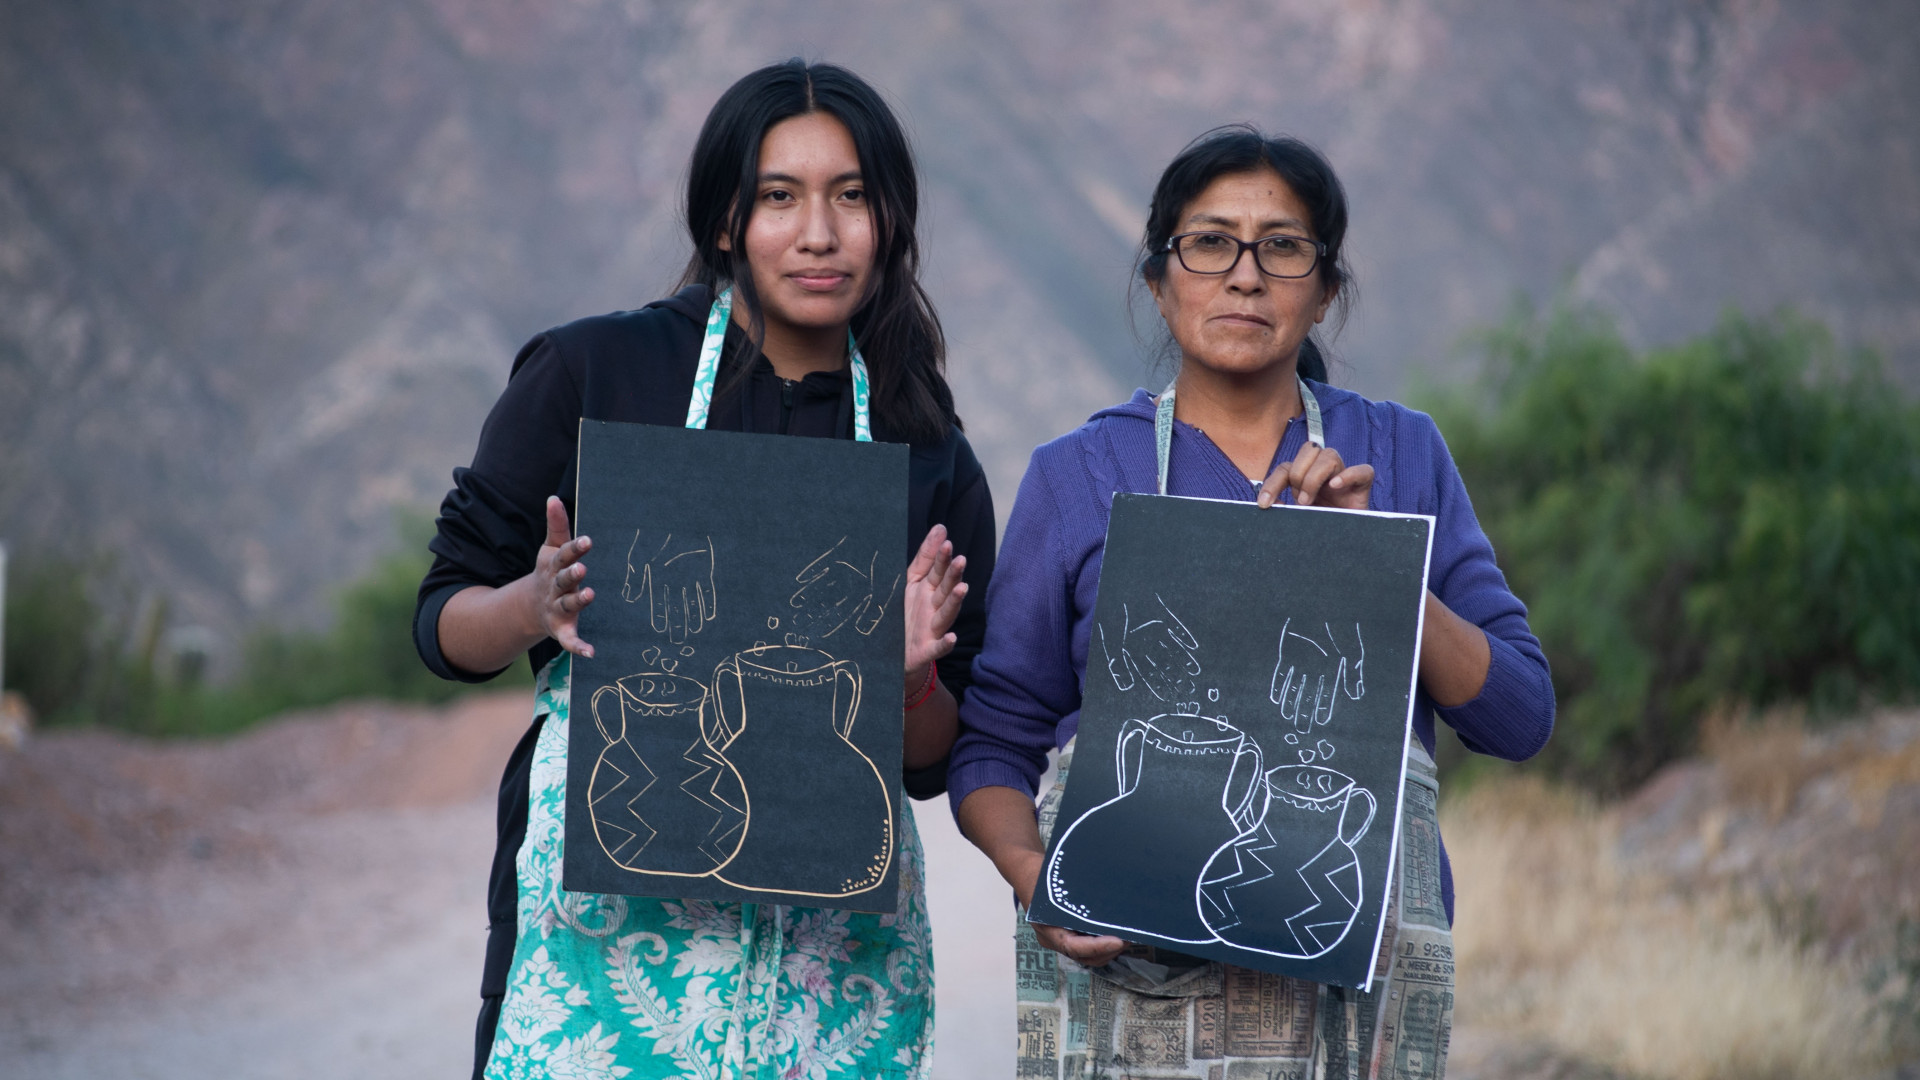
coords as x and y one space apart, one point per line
1319 477
1087 950
1000 822
557 574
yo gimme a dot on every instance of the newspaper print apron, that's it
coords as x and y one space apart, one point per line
1155 1013
607 987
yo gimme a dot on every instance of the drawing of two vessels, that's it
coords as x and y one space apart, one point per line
1204 844
707 781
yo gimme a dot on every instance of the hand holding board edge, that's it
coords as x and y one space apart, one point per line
1236 779
737 735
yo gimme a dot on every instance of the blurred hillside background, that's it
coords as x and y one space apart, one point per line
1655 266
256 250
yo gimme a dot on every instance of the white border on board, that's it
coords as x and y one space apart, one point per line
1419 635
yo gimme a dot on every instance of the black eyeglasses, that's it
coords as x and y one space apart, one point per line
1217 253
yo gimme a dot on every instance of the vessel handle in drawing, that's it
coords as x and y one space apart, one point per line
1347 809
1240 808
1127 752
715 726
594 704
843 723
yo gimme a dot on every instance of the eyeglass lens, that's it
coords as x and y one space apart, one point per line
1215 253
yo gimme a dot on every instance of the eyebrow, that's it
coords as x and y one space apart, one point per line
788 178
1272 223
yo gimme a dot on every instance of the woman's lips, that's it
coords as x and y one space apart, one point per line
1243 319
818 280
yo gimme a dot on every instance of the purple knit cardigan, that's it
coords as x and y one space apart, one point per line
1025 698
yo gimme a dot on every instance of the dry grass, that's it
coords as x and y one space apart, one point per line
1560 942
1769 760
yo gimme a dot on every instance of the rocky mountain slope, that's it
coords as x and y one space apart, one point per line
263 265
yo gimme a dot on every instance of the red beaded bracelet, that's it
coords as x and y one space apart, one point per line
926 689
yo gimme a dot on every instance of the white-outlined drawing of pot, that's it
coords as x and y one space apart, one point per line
632 794
1251 898
1189 785
768 702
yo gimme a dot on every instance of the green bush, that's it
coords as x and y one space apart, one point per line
78 662
69 653
1730 523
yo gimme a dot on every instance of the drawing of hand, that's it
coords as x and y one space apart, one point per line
1315 669
1158 652
835 590
934 593
676 581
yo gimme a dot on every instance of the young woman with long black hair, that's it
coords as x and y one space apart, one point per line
1243 257
801 204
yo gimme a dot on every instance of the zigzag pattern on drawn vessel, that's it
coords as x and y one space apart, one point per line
1245 893
735 735
625 796
729 820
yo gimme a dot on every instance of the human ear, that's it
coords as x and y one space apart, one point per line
1162 299
1326 303
724 242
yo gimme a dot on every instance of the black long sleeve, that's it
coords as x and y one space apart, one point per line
638 367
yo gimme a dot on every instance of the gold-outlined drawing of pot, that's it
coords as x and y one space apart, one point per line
783 716
1189 786
678 779
1252 897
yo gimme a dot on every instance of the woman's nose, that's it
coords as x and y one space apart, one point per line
817 233
1245 276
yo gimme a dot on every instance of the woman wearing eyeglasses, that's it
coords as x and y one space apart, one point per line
1242 255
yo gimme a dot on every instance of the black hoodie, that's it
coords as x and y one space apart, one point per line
638 367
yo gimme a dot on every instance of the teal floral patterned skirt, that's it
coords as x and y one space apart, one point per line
606 986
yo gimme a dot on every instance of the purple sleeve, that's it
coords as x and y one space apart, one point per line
1512 716
1024 684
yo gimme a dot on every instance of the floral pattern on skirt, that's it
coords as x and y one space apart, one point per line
605 987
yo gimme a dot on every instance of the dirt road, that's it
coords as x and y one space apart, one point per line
305 901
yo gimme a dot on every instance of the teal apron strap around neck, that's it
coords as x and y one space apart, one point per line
1163 425
709 369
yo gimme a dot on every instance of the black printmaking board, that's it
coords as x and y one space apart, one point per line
737 734
1235 787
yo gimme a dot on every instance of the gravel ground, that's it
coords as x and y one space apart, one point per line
217 909
306 901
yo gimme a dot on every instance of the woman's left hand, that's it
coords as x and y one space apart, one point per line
934 592
1319 477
